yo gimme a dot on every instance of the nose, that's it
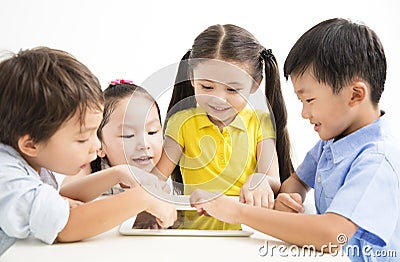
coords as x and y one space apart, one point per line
305 113
220 96
95 145
143 144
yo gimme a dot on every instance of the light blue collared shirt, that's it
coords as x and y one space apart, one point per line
358 177
30 204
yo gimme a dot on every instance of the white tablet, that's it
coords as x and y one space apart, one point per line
182 203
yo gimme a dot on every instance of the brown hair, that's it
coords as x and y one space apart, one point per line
40 89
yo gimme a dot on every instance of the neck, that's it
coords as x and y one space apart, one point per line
365 116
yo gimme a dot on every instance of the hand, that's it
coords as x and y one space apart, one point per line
216 205
257 191
131 176
289 202
165 213
73 203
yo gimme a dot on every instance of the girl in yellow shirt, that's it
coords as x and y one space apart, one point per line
219 141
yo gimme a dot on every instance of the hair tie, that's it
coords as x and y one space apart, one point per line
266 54
120 82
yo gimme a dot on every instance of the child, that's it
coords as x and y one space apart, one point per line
50 109
223 144
130 133
338 70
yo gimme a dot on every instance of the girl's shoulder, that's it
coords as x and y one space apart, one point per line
188 113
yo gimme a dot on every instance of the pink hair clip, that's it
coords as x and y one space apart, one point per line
121 81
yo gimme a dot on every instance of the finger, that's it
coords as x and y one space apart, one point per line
270 201
257 200
294 205
241 196
160 222
265 201
197 196
248 198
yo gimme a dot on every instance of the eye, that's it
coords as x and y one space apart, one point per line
206 87
151 133
128 136
83 140
232 90
310 100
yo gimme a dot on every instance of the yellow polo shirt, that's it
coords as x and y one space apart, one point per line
214 160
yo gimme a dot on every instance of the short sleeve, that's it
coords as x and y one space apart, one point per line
370 198
266 129
175 125
28 207
308 168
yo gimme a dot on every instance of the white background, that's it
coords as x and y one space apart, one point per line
134 39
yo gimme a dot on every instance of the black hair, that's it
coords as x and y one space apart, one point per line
338 51
113 94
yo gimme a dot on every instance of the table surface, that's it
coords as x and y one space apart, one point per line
112 245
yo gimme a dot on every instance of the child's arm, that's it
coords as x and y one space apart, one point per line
91 186
291 195
171 154
299 229
260 187
99 216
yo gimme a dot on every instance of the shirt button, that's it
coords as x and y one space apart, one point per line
319 179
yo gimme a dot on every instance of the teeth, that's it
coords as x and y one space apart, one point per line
143 158
219 108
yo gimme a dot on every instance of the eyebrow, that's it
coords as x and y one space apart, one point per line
214 81
155 120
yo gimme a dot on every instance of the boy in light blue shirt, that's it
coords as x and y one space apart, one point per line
338 70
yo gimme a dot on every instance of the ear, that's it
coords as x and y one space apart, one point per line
359 92
100 152
27 146
255 86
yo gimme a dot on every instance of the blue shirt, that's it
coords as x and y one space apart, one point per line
358 177
30 204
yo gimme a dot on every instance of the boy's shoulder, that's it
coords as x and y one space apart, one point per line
12 163
8 155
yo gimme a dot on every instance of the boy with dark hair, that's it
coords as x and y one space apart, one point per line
50 108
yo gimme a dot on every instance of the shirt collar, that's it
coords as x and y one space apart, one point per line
351 143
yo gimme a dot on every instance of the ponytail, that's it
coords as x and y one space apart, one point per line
183 93
274 96
182 98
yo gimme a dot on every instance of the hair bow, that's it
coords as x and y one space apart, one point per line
121 81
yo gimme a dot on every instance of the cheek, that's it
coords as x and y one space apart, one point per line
157 145
115 152
238 102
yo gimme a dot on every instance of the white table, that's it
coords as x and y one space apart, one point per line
111 246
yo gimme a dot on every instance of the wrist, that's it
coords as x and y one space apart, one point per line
241 213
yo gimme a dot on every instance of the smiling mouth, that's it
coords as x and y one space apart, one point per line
316 126
219 108
145 160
